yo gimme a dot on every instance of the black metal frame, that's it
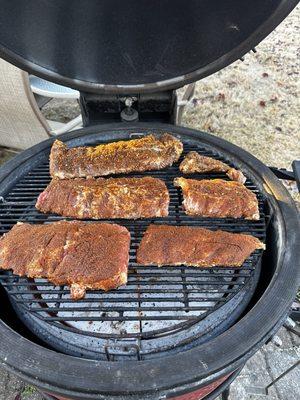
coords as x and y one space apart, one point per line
196 367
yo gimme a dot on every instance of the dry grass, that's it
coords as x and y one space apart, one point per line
255 104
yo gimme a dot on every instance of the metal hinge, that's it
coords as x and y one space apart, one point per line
115 348
105 108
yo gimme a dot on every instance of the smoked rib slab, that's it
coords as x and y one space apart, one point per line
105 198
145 154
194 246
82 255
217 198
195 162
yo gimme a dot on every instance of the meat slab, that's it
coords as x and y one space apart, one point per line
217 198
195 162
105 198
193 246
82 255
145 154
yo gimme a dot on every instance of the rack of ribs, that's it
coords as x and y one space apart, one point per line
194 162
105 198
217 198
194 246
82 255
145 154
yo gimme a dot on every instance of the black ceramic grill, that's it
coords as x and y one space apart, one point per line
168 318
171 333
160 309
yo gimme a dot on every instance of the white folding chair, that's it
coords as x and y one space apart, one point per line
21 122
53 90
45 91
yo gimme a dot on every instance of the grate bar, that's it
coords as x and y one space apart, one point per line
120 309
158 317
120 290
124 300
161 275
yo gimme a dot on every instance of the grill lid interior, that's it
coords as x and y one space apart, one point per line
136 46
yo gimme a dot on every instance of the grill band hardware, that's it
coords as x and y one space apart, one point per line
127 348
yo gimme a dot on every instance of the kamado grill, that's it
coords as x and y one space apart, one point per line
171 332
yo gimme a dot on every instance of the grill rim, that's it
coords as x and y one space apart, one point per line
229 349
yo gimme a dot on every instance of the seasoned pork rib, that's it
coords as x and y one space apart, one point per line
105 198
82 255
145 154
217 198
194 162
193 246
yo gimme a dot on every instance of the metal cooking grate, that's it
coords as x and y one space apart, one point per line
156 302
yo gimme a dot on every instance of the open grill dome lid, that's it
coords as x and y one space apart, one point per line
135 46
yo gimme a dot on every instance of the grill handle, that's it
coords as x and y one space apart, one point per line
293 175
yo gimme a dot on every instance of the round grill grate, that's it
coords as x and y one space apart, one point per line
160 309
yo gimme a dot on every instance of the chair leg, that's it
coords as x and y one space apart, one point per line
41 100
68 126
225 394
187 96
